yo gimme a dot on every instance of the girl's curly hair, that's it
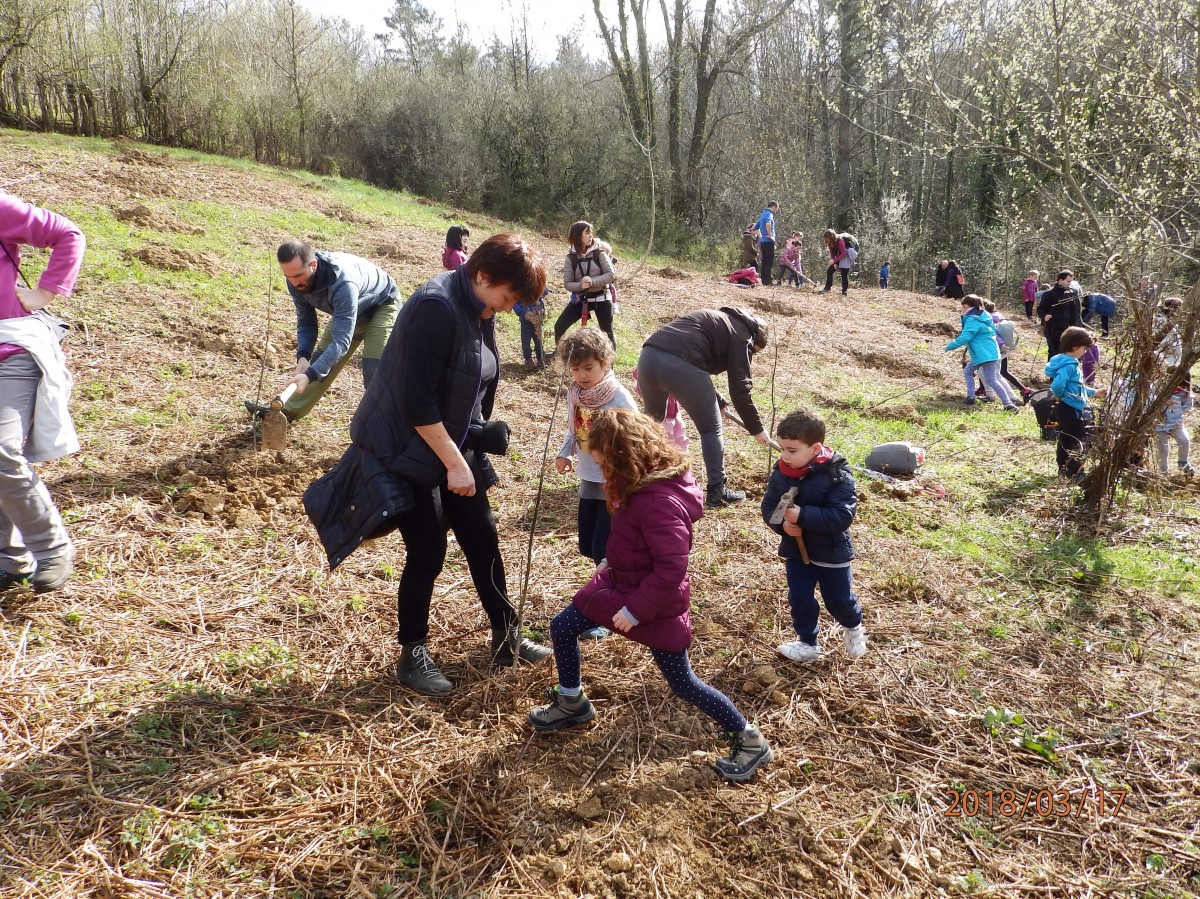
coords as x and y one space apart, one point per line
631 445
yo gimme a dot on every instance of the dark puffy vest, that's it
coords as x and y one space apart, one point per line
387 460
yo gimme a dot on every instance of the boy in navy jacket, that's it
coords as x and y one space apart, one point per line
816 525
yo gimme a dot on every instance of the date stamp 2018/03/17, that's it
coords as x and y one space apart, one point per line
1034 803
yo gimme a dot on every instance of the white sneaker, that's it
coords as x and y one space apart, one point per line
798 651
856 641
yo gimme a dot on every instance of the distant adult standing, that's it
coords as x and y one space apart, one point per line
587 273
939 277
360 299
766 241
35 425
455 252
955 282
750 247
1059 308
679 360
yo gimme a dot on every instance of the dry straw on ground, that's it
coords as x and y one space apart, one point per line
206 711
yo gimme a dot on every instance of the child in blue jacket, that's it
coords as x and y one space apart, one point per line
817 524
532 316
1071 411
979 336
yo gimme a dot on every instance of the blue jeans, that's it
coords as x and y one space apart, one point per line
531 342
836 589
989 374
675 667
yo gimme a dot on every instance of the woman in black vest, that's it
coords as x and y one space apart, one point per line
587 272
416 460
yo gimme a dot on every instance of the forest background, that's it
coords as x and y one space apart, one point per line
1009 134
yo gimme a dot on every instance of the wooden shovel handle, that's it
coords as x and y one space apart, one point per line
284 396
803 550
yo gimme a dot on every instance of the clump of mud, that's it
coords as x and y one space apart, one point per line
177 260
142 216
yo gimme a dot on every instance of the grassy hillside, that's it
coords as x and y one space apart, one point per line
206 711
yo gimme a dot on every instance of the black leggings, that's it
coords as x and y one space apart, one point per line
424 531
1072 439
601 307
845 278
675 667
1009 376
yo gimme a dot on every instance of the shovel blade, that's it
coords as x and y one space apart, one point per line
274 432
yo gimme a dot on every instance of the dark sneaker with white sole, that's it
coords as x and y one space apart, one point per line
417 670
563 711
718 496
748 751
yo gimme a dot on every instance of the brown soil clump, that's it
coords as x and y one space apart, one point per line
177 260
142 216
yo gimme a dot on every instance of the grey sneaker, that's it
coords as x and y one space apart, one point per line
52 573
595 633
563 711
418 670
748 751
509 643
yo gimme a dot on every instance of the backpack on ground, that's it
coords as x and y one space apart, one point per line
897 458
1042 402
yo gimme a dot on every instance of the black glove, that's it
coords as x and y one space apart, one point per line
489 437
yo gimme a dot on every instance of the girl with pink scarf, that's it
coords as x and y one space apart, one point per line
589 355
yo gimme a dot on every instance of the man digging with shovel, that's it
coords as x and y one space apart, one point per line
359 296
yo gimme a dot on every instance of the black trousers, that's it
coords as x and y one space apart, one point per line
845 278
767 248
1009 376
1072 436
601 307
424 531
594 526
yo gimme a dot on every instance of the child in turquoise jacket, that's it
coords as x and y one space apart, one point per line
1071 411
979 336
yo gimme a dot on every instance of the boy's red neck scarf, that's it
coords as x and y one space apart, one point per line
823 456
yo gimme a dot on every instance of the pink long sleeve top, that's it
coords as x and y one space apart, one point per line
23 223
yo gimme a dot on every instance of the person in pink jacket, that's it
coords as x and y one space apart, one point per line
455 252
641 589
1029 291
34 387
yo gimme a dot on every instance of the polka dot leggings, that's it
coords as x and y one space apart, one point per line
675 667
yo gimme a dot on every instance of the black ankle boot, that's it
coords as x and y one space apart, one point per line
418 670
719 496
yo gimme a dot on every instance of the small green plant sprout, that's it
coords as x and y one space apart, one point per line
1040 744
995 720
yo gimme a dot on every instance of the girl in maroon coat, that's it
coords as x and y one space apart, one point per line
641 589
